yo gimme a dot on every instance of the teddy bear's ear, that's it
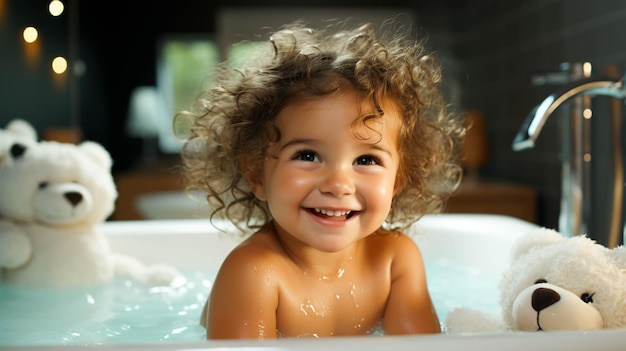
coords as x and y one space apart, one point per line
619 255
22 128
536 238
97 152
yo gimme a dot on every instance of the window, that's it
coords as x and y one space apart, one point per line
185 65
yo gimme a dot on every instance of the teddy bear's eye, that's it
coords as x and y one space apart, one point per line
539 281
587 298
17 150
43 185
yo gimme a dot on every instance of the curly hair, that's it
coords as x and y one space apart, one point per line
234 120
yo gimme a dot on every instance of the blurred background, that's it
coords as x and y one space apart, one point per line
115 72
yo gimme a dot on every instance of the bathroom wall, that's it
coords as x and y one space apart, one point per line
503 43
29 88
489 48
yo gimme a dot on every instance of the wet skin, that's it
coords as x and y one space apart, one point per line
324 267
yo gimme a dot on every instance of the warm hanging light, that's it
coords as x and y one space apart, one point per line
56 8
59 65
30 34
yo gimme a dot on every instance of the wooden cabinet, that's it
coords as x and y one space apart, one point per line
132 185
494 197
474 196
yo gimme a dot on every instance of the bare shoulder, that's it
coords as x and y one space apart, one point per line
258 250
247 279
394 241
409 307
394 250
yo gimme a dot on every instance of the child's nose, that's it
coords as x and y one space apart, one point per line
338 182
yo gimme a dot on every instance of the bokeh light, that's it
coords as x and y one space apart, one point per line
56 7
59 65
30 34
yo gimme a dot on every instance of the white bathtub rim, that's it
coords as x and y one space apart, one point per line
614 339
202 225
436 235
606 339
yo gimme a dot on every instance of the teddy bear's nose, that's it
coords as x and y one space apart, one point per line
543 297
73 197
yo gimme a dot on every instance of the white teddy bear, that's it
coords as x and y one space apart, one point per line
52 199
16 140
554 283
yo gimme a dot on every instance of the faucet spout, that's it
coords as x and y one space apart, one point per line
593 195
534 122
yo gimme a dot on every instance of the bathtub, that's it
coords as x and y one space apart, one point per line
480 242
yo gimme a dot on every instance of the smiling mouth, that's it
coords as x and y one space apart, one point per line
332 214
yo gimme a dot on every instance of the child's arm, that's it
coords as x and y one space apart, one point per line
244 297
409 309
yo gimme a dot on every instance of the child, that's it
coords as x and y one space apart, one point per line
327 145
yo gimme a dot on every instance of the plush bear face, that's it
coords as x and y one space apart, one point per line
558 283
58 184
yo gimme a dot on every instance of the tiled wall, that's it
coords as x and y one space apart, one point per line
499 44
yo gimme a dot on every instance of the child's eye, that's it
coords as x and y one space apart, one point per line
306 155
367 160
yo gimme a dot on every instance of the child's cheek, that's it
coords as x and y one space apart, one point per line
378 191
299 180
289 179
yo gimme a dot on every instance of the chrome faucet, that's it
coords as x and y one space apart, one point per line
576 193
528 134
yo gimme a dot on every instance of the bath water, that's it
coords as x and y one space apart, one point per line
122 312
127 312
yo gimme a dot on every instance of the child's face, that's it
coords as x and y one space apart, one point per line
326 185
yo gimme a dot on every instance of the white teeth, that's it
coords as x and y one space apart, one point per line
332 213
